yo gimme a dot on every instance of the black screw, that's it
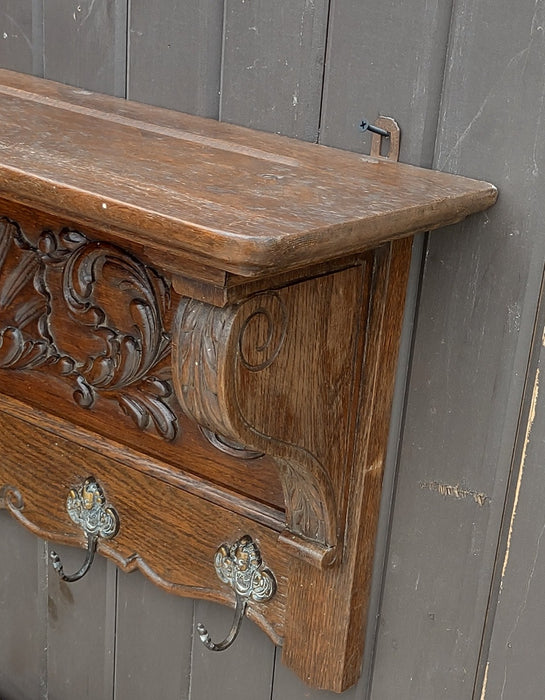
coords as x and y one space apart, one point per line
365 126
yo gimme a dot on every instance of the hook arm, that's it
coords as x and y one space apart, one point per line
91 549
240 611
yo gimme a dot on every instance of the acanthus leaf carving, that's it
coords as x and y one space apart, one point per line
306 510
21 307
94 312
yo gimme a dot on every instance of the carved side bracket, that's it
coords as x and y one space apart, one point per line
274 373
215 350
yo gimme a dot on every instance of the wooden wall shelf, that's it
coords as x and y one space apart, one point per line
205 319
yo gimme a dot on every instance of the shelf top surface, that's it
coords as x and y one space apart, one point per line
232 198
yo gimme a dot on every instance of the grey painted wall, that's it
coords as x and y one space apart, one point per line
466 81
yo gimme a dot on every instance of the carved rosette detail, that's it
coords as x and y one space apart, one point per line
95 314
213 349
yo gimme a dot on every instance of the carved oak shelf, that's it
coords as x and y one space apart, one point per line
205 320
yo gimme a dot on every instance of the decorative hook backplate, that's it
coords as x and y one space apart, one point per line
240 565
87 508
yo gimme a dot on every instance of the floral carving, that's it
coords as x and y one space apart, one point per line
22 343
305 505
92 311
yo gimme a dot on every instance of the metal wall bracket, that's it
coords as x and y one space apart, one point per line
383 128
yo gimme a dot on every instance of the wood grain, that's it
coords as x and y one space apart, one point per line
334 661
295 348
47 339
171 536
272 204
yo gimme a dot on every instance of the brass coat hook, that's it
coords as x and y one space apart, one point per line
87 507
240 565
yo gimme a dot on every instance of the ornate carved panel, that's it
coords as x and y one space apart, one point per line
93 314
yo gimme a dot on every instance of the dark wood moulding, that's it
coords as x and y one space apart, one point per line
205 319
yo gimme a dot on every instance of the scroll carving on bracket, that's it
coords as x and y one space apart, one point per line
94 314
214 349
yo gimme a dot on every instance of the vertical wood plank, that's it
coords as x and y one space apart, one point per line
85 43
385 57
287 685
272 75
21 36
272 78
514 662
81 630
23 606
16 50
174 60
175 54
153 641
242 672
273 65
476 315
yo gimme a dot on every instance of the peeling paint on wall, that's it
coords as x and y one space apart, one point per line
529 425
485 681
455 491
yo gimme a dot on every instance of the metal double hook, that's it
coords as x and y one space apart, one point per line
240 565
92 542
87 507
240 611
